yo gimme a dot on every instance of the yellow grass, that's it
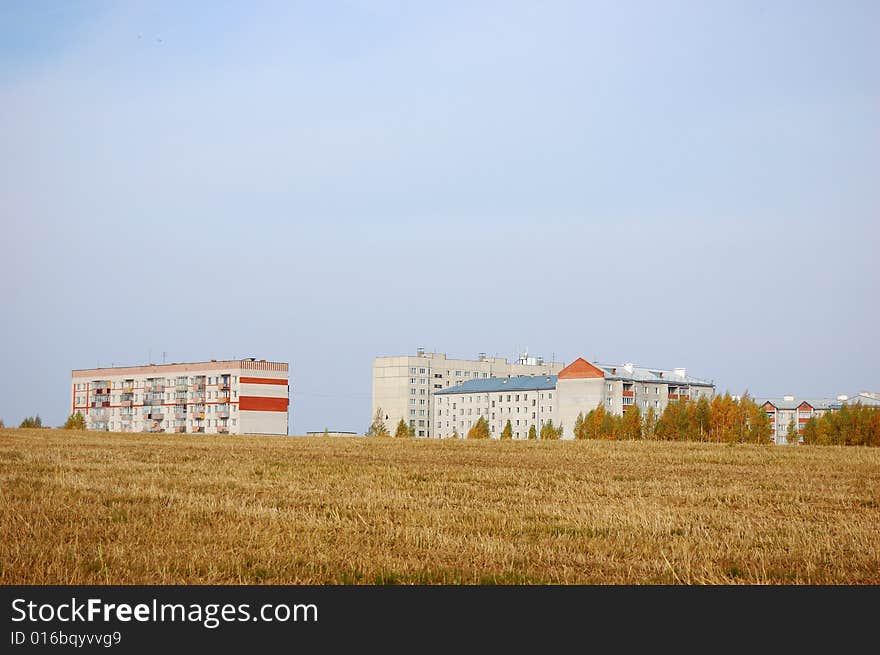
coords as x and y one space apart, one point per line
83 508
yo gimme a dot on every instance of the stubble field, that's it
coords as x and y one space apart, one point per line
95 508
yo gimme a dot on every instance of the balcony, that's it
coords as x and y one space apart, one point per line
180 398
673 396
179 415
155 416
178 429
128 389
222 413
106 403
199 429
223 430
154 388
125 403
223 386
223 399
197 398
628 394
198 416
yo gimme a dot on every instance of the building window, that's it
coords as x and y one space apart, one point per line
412 371
422 371
412 392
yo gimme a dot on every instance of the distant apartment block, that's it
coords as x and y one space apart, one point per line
533 400
782 411
247 396
404 386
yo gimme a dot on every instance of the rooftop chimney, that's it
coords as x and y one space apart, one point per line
629 367
681 372
789 398
843 396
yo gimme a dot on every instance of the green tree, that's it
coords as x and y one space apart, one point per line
579 427
32 422
507 432
377 427
403 430
75 422
533 433
479 430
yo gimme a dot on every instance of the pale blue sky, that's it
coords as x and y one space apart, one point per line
669 183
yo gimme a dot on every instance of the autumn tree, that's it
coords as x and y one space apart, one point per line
377 427
649 423
507 432
791 434
402 430
548 431
479 430
579 428
593 421
75 422
631 423
533 433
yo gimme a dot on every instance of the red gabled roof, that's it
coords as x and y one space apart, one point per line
805 404
580 368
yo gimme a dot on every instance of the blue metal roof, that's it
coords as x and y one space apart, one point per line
514 383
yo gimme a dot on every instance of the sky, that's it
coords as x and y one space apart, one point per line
668 183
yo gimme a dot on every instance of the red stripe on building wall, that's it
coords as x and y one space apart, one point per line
244 380
262 404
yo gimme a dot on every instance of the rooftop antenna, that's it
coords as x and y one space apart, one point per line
150 357
163 356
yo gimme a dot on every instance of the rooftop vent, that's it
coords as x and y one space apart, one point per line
681 372
843 396
788 397
629 367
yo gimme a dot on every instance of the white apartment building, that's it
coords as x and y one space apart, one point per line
404 386
247 396
578 388
782 411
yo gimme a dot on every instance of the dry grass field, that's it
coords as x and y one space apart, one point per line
89 508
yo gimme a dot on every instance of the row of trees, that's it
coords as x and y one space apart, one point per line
74 422
724 419
855 425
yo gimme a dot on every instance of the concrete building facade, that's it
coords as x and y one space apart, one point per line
533 400
404 386
247 396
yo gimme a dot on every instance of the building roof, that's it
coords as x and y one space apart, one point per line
815 403
656 375
513 383
868 400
